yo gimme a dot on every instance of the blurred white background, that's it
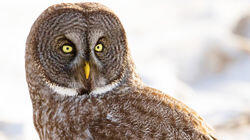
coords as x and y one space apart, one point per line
184 48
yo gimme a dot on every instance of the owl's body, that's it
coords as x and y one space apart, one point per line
87 88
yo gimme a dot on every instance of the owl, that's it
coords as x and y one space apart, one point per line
83 84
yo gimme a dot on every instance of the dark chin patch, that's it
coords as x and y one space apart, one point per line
83 91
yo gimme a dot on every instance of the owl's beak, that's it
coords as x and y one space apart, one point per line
87 69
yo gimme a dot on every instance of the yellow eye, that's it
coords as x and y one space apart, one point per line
98 47
67 48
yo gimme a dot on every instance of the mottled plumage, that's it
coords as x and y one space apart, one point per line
112 103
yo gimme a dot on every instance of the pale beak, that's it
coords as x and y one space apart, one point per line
87 69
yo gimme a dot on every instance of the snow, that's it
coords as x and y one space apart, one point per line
184 48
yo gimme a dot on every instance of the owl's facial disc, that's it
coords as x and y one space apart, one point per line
90 75
81 51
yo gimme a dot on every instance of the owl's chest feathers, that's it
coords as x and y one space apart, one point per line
59 114
71 114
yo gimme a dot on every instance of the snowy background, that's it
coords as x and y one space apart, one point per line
185 48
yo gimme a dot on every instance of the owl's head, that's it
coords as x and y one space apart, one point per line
78 49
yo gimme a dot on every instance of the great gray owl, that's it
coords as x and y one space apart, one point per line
83 85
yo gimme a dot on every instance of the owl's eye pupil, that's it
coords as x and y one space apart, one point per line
99 47
67 48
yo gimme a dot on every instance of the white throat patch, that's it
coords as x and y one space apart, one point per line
73 92
63 90
104 89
